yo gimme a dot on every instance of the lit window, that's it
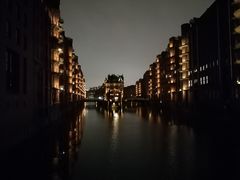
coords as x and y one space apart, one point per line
206 79
200 80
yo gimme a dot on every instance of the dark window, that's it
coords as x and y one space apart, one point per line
9 4
12 72
18 36
18 11
25 69
25 42
26 2
8 29
25 20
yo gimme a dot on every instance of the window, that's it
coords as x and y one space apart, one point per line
206 79
25 2
25 42
201 81
12 72
18 36
9 4
25 20
25 69
18 11
8 29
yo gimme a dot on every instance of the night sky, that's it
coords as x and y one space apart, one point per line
124 36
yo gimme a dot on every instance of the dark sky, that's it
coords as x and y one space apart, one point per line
124 36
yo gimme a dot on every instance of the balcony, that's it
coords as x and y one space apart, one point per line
237 45
237 13
237 61
237 29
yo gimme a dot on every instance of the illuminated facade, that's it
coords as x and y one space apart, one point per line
113 88
67 79
202 66
57 59
235 17
33 67
158 78
153 81
147 84
184 57
78 81
172 69
139 88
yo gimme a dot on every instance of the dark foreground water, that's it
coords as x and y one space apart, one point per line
132 143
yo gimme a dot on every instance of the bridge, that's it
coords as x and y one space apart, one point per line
92 100
134 99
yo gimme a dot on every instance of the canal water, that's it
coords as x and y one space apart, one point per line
141 143
134 142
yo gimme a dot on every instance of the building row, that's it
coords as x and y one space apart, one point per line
39 70
201 66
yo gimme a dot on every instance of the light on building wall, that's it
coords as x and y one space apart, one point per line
60 50
238 82
184 87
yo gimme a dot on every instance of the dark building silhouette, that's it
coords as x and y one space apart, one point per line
129 92
24 68
214 63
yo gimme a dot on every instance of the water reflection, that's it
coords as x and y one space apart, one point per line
67 145
113 115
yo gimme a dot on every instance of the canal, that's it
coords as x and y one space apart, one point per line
142 143
131 143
